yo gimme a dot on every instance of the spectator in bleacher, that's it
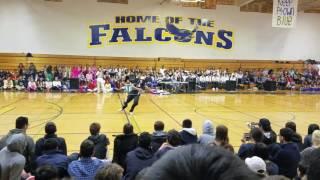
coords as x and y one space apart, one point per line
307 139
12 161
270 136
257 165
246 149
22 124
123 144
288 156
52 156
86 167
110 172
306 156
100 141
139 158
158 136
188 134
50 130
296 138
261 150
173 141
208 135
32 71
199 162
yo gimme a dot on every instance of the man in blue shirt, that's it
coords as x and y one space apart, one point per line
86 167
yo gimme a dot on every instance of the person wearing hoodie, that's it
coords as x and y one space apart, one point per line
139 158
21 128
52 156
100 141
50 130
208 135
269 136
158 136
11 159
188 134
173 141
123 144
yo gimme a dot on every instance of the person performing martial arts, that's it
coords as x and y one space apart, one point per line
134 89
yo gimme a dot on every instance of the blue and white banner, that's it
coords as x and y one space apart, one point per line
284 13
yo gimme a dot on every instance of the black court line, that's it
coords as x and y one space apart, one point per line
18 100
60 111
166 112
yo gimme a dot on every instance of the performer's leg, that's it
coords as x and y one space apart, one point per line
135 102
129 98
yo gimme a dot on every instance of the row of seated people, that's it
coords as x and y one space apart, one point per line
209 78
163 155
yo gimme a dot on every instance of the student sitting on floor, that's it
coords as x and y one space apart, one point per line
32 86
56 84
7 83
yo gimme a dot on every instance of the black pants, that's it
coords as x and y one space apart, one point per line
135 98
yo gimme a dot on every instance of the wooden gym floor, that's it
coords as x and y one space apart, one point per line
73 112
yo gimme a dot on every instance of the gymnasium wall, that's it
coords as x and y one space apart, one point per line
44 27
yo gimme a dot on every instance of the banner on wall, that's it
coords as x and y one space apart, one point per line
160 30
284 13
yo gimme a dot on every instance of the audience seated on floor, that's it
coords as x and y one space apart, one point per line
22 124
188 134
207 135
158 136
288 157
50 130
87 166
53 156
12 161
100 141
139 158
307 142
123 144
262 155
173 141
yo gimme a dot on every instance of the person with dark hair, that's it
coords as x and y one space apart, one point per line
123 144
173 141
11 159
22 124
261 150
246 149
296 138
52 156
307 142
110 172
158 136
46 172
134 91
288 156
100 141
139 158
222 138
188 134
208 135
86 167
199 162
270 136
50 130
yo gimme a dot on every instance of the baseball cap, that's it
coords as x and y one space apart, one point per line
256 165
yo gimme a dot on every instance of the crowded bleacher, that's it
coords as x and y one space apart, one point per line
31 78
175 154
